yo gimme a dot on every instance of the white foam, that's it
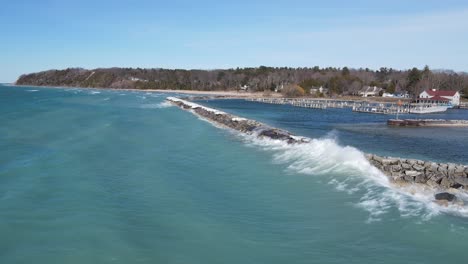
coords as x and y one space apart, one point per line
238 119
33 90
94 92
164 104
349 171
195 106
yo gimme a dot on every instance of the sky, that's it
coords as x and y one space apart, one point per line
57 34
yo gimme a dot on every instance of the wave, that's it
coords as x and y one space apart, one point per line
347 169
164 104
33 90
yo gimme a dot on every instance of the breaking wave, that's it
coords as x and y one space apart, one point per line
164 104
347 169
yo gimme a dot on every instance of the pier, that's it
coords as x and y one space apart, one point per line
356 106
307 102
382 108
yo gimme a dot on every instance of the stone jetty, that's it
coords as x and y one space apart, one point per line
427 122
440 176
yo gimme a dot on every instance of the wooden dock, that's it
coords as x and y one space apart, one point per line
307 103
356 106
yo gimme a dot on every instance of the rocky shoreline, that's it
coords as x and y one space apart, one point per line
440 176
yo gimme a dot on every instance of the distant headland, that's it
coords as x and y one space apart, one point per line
291 82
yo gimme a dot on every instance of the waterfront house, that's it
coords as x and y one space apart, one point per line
452 96
370 91
244 88
320 90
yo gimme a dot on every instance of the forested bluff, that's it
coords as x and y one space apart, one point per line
339 81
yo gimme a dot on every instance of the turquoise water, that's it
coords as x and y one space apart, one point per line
96 176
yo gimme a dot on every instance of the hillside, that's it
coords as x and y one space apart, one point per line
337 80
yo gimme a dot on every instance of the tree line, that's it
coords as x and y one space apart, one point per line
339 81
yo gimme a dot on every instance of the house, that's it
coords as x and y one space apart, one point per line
368 91
452 96
244 88
279 88
319 90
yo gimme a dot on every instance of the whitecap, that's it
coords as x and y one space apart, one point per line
349 171
164 104
33 90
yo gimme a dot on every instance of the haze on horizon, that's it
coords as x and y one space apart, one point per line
42 35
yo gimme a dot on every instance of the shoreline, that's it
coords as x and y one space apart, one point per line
230 94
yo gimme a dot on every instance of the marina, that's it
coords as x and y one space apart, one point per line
387 108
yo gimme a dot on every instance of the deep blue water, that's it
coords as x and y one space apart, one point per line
100 176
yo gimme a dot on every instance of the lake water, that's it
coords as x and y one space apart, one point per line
100 176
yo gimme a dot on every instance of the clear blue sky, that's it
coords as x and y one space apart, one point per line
46 34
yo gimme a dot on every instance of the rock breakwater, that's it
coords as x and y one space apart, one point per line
427 122
440 176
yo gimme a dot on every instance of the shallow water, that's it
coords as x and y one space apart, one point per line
97 176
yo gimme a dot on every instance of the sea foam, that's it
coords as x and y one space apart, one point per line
349 171
164 104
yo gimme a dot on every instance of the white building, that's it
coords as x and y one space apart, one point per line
368 91
452 96
319 90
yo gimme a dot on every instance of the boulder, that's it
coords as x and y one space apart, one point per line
275 134
445 196
396 168
396 175
406 166
412 173
378 159
390 161
451 170
461 180
459 171
442 169
446 183
433 167
427 164
418 167
421 178
435 176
